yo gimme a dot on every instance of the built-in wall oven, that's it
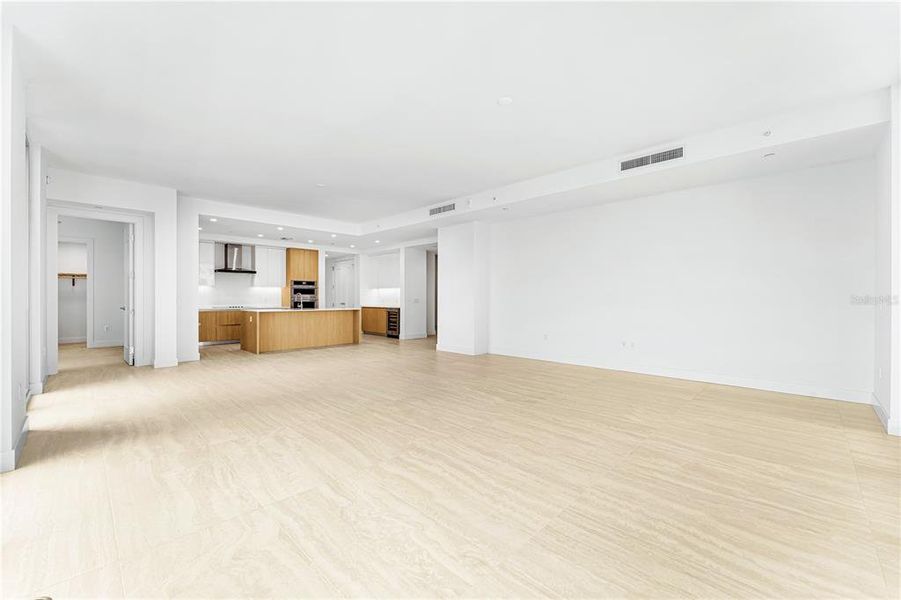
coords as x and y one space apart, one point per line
303 294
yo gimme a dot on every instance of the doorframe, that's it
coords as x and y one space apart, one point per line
143 313
89 285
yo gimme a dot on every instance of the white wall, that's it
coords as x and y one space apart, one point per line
37 263
14 255
463 279
886 377
72 257
430 294
236 288
72 297
746 283
413 293
380 280
107 280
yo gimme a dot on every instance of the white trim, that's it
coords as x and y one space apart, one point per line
414 336
798 389
144 318
165 364
36 389
107 343
456 349
89 286
10 458
891 426
73 340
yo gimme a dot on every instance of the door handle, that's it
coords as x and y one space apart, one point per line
121 308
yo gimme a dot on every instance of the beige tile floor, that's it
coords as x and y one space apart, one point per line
390 470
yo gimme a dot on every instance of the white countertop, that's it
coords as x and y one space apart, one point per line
270 308
300 310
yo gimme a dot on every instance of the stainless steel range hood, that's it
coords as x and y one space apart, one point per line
235 258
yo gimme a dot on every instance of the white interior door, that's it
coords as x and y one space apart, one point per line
343 284
128 309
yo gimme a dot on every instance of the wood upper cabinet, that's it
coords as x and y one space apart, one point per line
302 265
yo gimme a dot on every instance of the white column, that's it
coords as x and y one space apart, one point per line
188 279
412 293
463 288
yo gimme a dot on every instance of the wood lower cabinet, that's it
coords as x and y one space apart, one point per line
220 325
375 320
207 324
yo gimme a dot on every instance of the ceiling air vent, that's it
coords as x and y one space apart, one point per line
650 159
442 209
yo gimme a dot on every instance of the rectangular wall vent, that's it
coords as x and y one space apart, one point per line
650 159
442 209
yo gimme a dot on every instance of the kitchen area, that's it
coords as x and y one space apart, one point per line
267 299
274 295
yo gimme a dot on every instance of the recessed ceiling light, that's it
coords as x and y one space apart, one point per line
326 254
769 154
378 241
280 228
200 229
353 246
767 133
334 235
320 185
505 101
213 219
259 235
309 241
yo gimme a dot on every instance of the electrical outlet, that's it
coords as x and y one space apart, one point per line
106 327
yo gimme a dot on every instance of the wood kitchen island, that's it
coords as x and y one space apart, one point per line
276 329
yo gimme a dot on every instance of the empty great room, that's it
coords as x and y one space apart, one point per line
450 299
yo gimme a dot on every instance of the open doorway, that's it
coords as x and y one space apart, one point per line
95 292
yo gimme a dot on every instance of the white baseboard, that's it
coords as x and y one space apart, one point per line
458 350
10 458
37 388
798 389
414 336
189 358
891 426
164 364
72 340
106 343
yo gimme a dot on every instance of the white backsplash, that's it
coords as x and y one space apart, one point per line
381 297
237 288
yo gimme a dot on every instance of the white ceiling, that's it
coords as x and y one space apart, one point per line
394 106
227 228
